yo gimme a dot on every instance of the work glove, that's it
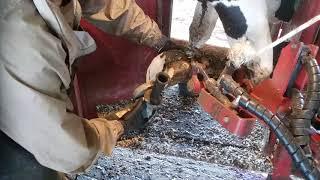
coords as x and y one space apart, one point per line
138 116
103 133
135 115
168 44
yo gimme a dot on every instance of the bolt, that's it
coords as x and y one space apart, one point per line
293 46
226 119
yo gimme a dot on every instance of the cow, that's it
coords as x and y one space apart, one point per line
246 24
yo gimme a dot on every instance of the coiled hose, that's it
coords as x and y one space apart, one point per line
297 100
300 119
282 132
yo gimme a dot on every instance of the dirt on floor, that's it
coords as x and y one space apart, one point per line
181 141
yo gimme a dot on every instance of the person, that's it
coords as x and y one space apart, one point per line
39 43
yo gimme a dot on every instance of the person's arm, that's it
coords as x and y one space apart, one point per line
124 18
35 109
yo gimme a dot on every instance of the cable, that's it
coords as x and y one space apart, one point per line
300 119
281 131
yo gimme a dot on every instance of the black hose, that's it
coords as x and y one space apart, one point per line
284 135
138 116
312 101
282 132
300 119
297 103
162 80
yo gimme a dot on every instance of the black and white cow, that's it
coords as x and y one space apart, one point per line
246 23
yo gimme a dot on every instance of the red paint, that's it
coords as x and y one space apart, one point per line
307 10
194 85
285 66
240 126
282 164
277 85
269 93
264 91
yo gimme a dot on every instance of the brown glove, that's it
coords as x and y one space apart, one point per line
138 116
103 133
168 44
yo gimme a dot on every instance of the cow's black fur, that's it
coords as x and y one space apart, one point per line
233 20
286 10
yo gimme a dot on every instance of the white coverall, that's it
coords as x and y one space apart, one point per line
36 39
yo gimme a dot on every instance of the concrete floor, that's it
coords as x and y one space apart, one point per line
183 142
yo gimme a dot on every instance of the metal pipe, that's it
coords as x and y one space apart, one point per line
137 117
211 84
230 86
161 81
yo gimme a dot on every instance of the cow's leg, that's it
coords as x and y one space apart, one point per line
246 25
272 8
262 65
259 36
202 24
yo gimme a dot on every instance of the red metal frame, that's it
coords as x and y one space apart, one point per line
270 93
277 85
282 161
309 9
274 87
240 126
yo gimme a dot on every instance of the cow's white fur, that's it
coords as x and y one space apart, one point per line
242 51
